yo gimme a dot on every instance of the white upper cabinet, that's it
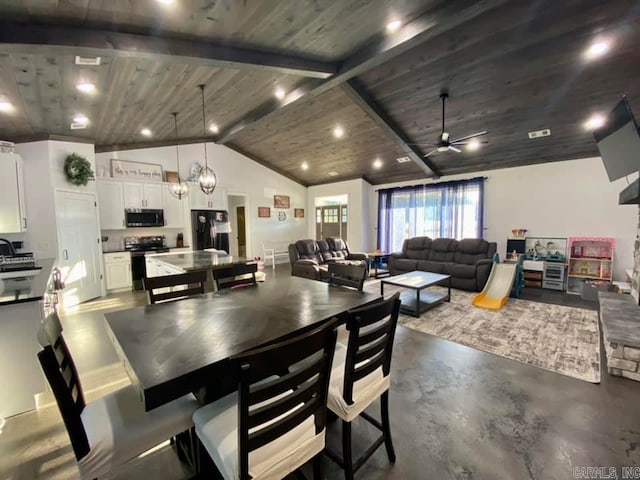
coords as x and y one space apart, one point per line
111 202
142 195
173 210
199 201
13 217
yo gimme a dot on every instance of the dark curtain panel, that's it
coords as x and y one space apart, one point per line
437 210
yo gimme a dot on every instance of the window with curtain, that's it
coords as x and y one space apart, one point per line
447 209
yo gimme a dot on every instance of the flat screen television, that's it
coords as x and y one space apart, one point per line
619 142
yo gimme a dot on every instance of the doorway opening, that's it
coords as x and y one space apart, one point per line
332 217
238 224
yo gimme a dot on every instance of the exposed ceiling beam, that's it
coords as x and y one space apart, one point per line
356 92
379 50
118 147
28 38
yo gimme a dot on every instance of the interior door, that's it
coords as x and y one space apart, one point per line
242 238
79 249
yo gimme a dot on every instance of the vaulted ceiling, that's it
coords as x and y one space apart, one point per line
509 68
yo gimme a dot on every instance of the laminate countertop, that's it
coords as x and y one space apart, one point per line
197 260
26 289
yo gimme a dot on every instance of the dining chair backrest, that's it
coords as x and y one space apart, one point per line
62 375
226 277
193 283
371 332
271 404
347 275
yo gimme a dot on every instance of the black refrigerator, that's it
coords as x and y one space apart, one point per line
210 229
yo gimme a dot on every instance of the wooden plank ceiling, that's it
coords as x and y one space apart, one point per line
509 67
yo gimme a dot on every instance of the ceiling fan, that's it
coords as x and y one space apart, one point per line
444 143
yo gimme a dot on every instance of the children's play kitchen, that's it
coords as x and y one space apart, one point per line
581 265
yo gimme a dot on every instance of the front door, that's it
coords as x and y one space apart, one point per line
78 246
242 239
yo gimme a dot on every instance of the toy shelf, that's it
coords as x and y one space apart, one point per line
590 261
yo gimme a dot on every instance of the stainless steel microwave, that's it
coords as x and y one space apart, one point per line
144 217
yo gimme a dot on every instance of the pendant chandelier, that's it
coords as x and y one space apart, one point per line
207 177
178 188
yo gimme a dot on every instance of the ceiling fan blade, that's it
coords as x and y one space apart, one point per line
454 149
470 136
431 152
467 143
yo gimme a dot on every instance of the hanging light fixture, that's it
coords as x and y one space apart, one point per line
179 188
207 177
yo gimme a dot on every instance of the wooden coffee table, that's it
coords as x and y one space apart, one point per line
420 301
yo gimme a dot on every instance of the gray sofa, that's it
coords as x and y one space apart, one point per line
468 261
311 258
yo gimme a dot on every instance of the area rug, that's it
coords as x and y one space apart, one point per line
560 339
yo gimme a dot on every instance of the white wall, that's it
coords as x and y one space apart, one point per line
238 175
560 199
359 193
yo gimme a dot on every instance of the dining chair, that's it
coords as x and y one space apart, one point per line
173 287
347 275
360 374
275 422
227 277
110 431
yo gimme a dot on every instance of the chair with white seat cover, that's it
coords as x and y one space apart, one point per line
360 374
114 429
275 422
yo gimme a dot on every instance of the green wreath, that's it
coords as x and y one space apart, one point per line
78 170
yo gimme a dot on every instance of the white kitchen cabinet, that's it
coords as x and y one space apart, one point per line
13 217
111 203
117 267
173 210
199 201
142 195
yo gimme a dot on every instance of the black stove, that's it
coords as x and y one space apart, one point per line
139 246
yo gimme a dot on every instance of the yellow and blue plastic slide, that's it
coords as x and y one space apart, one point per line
498 288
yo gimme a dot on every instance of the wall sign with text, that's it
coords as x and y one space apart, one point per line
136 170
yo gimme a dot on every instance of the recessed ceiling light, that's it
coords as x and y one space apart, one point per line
333 174
304 166
377 163
6 106
80 118
595 121
596 49
146 132
394 26
86 87
473 145
214 128
338 132
280 93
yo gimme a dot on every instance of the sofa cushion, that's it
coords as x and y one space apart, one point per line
429 266
443 249
307 248
470 250
460 271
324 250
417 248
405 264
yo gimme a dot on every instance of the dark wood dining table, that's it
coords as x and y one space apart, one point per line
171 349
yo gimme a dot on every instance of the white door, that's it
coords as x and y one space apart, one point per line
173 210
79 249
10 215
153 195
111 201
133 195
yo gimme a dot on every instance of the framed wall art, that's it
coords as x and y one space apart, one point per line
264 212
298 212
281 201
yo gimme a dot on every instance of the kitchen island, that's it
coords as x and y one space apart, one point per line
160 264
22 307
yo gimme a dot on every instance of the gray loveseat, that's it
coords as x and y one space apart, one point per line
468 261
310 258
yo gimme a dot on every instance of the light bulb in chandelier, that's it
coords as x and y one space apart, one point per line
179 189
207 180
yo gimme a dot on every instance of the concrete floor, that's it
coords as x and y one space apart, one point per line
456 413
